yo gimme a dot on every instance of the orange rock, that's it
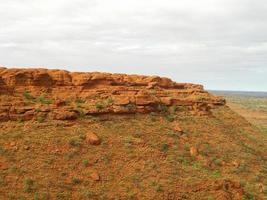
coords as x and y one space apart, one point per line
121 100
261 187
166 101
151 85
12 144
65 115
236 163
144 100
59 103
176 127
26 147
237 184
193 151
95 176
26 86
92 138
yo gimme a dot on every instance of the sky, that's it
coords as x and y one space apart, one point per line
221 44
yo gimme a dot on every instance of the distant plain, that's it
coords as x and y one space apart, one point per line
250 105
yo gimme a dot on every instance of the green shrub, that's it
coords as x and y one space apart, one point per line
164 147
75 142
130 106
75 180
79 100
110 100
88 194
169 118
85 163
99 105
28 96
162 108
81 114
43 100
40 119
37 110
28 185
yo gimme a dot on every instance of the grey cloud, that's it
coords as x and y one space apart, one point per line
221 43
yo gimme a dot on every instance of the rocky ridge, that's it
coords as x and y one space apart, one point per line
27 94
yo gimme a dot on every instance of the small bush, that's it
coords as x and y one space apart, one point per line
248 197
79 101
153 116
36 196
71 154
99 105
28 185
81 114
75 180
19 120
164 148
88 194
75 142
82 136
85 163
40 119
218 162
110 100
37 110
130 106
169 118
43 100
162 108
28 96
173 109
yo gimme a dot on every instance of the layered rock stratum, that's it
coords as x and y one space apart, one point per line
57 94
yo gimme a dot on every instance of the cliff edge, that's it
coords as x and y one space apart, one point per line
57 94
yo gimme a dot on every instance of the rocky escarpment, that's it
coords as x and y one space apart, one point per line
27 94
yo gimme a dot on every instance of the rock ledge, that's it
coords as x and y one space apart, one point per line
27 94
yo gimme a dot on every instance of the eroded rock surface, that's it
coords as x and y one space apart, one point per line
27 94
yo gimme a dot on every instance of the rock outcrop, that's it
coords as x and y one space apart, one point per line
27 94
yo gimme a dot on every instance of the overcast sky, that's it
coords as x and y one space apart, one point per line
221 44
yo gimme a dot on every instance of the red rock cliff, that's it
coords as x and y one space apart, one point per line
27 94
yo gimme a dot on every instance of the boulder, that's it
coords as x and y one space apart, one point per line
92 138
95 176
193 151
176 127
65 115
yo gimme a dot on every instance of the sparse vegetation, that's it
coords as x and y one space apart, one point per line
162 108
110 100
28 185
76 180
44 100
27 95
75 141
40 119
85 163
164 148
170 118
88 194
130 106
99 105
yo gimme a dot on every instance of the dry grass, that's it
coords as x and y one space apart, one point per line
254 109
140 157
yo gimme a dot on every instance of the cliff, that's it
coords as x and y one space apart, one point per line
27 94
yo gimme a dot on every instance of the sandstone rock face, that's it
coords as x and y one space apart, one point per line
64 95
